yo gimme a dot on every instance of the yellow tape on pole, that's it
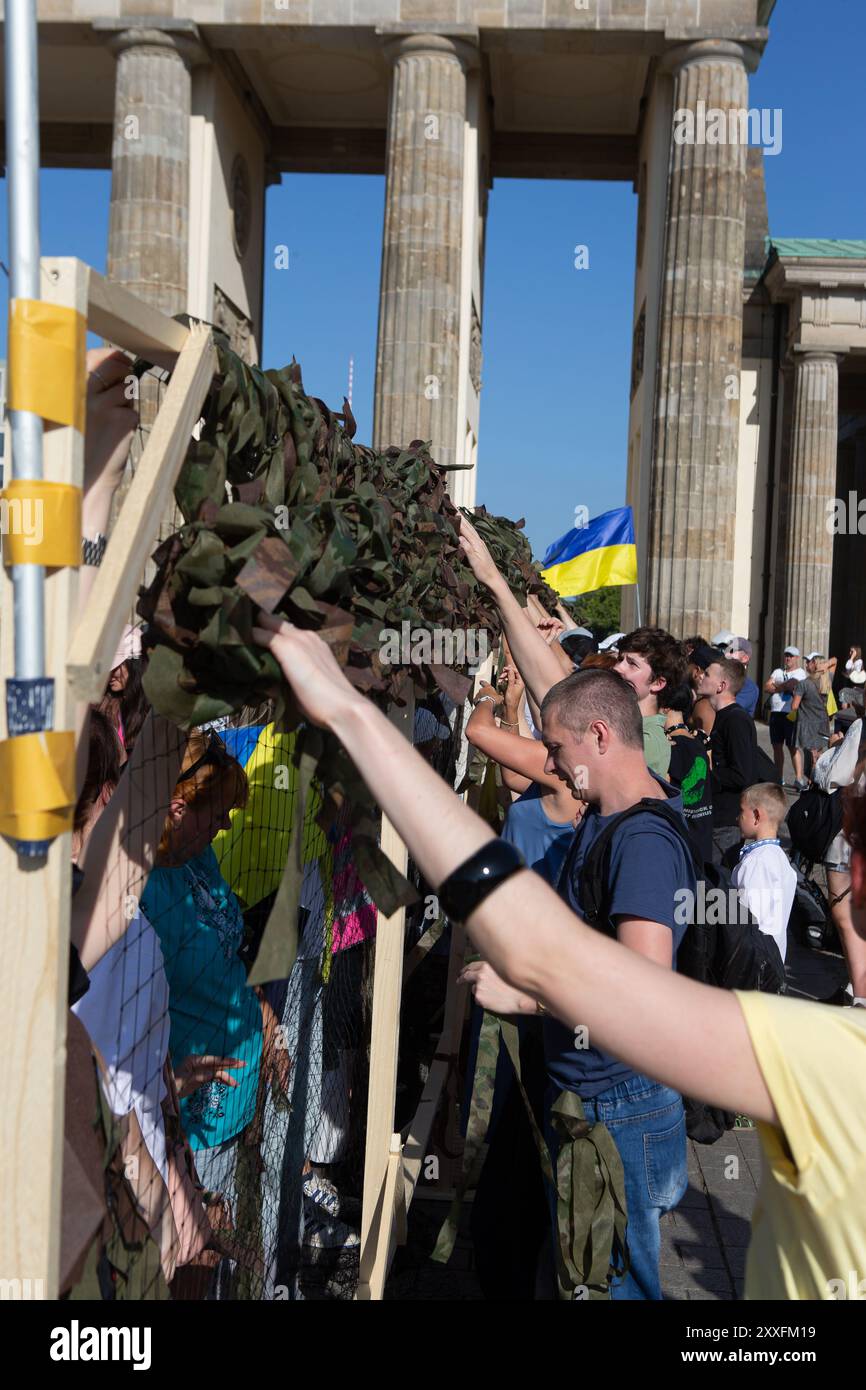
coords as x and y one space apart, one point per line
47 361
37 785
40 523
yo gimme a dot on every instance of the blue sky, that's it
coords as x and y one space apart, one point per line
557 341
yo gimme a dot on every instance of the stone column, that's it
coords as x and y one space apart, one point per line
149 219
693 478
417 355
806 544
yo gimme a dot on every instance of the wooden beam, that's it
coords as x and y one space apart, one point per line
126 320
384 1040
112 597
34 925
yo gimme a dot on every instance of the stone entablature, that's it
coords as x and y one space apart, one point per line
677 19
828 301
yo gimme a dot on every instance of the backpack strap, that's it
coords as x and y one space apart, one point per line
594 894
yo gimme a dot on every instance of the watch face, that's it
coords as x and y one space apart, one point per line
241 203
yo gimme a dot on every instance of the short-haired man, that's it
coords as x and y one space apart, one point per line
651 660
594 735
734 746
781 727
741 650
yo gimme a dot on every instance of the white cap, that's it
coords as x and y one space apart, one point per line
792 651
610 641
722 639
813 656
574 632
130 646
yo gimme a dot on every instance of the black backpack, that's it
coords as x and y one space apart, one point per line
814 821
728 954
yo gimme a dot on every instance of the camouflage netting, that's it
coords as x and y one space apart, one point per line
284 512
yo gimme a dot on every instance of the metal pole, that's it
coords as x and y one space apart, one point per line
22 155
637 604
29 693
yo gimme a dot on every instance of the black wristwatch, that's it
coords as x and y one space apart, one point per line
467 887
93 550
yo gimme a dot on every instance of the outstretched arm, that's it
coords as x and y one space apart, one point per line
122 848
525 756
538 665
685 1034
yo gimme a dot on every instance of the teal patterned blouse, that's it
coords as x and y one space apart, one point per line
212 1010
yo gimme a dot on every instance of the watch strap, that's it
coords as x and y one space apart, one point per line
466 888
93 549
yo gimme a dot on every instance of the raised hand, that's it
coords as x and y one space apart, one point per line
198 1071
309 666
478 557
111 419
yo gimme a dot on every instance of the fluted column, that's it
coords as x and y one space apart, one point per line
807 542
693 479
148 237
417 355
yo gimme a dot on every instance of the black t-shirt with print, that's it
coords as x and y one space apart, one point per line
690 772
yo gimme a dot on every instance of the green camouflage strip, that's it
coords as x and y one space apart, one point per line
591 1202
590 1190
475 1150
279 944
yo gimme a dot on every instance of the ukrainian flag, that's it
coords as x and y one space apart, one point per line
595 556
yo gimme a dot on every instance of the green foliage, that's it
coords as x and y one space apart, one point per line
598 610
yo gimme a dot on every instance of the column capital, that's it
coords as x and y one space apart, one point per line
709 50
462 45
801 353
180 36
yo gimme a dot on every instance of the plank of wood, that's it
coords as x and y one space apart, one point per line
112 597
127 321
384 1040
34 924
388 1227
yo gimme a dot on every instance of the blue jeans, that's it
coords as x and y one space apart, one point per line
648 1126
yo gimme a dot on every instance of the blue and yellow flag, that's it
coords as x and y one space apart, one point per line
595 556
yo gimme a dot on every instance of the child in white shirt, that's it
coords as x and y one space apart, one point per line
763 877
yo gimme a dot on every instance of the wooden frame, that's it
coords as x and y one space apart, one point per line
34 927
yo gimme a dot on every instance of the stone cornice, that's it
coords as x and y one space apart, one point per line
786 279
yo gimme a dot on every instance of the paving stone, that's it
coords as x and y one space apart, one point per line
693 1198
681 1286
734 1232
700 1257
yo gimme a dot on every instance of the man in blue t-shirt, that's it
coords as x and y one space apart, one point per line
592 729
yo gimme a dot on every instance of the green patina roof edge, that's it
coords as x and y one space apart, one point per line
815 247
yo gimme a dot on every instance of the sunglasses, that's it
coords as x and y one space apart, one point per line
216 754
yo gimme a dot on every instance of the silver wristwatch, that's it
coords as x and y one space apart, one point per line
92 550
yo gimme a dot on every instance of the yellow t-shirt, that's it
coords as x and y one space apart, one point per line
809 1223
